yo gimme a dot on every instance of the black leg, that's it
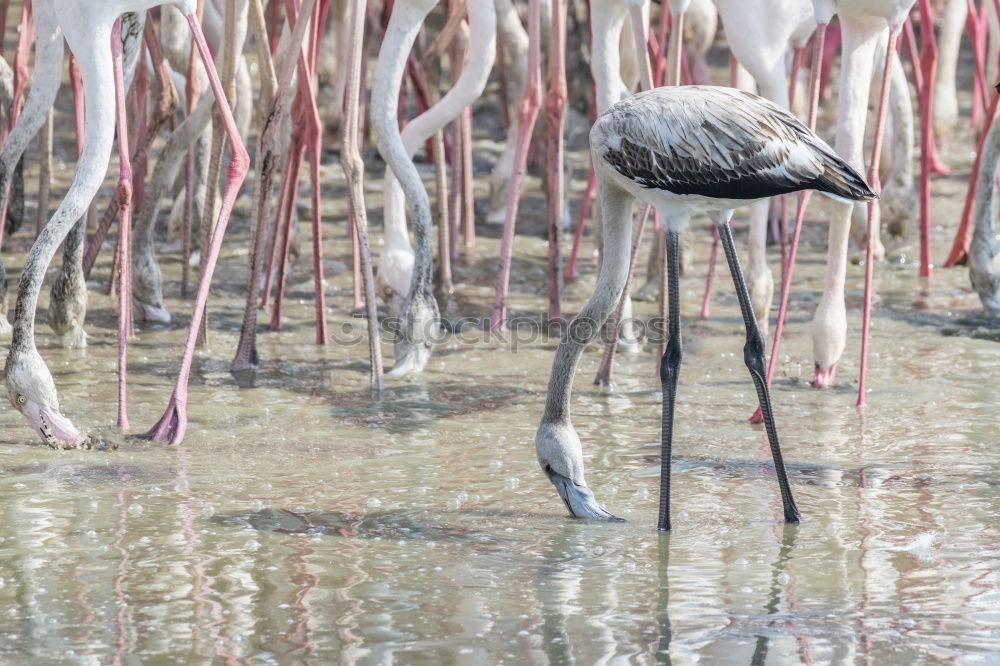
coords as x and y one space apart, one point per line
670 366
753 355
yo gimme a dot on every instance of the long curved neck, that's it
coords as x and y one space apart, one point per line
470 83
468 88
94 55
616 207
606 20
404 24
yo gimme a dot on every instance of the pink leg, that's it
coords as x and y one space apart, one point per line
192 91
873 180
910 41
123 194
287 195
502 84
24 37
173 424
980 96
527 112
308 119
555 113
97 240
959 253
317 229
21 54
606 371
800 212
713 257
660 57
928 63
468 200
296 155
793 76
588 196
832 45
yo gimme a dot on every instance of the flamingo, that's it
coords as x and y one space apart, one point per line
683 150
419 312
396 262
862 23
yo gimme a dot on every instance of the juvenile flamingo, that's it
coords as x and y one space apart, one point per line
683 150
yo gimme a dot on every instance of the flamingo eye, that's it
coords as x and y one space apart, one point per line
21 399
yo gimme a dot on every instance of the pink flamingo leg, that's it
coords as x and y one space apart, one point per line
588 196
874 181
173 424
287 192
959 253
527 112
192 90
468 200
800 213
928 63
308 119
980 96
21 54
123 195
833 39
555 115
295 157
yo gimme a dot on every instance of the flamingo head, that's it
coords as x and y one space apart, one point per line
31 391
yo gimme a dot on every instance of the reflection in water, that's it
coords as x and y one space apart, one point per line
663 599
774 592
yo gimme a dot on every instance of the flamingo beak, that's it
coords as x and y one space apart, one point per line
56 430
152 313
579 499
997 87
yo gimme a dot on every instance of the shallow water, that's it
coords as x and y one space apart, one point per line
299 521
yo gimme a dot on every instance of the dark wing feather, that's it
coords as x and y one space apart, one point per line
720 143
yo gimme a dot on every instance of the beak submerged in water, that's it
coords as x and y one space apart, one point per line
579 499
58 431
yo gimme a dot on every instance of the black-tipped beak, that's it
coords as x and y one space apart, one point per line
997 87
579 499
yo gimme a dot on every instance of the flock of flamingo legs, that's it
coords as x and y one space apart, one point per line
661 135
